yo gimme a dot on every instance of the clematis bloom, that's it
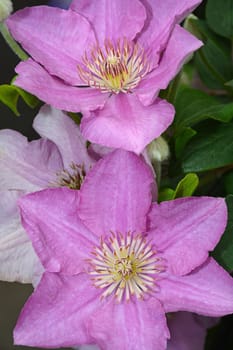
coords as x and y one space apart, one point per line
115 263
107 59
59 158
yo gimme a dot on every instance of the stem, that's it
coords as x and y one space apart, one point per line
12 43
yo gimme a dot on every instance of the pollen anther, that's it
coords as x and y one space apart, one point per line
71 178
114 68
125 266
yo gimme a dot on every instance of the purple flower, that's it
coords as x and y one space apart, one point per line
115 263
59 158
107 59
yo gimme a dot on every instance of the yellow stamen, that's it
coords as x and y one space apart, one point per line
114 68
125 266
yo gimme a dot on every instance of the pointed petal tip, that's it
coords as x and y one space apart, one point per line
125 123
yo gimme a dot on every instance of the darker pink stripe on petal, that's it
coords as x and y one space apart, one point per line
112 19
137 325
116 194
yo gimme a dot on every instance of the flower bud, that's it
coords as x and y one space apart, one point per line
6 8
158 150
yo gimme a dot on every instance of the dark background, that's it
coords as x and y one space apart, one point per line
13 295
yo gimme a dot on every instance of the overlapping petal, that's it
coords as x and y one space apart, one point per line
179 47
53 44
57 312
137 325
116 194
61 241
65 134
19 161
161 19
35 79
18 260
183 227
112 19
125 123
207 290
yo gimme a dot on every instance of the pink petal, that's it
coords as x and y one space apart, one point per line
188 331
27 165
35 79
64 132
133 326
183 227
125 123
112 19
179 47
18 260
116 194
55 38
208 290
57 312
59 238
97 151
161 19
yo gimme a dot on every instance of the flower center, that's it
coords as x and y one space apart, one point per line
115 68
72 178
125 266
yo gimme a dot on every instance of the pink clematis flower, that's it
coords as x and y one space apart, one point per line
59 158
107 59
115 263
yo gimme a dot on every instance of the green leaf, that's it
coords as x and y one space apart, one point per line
219 16
186 186
211 148
31 100
223 253
213 60
166 194
9 95
181 140
193 106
